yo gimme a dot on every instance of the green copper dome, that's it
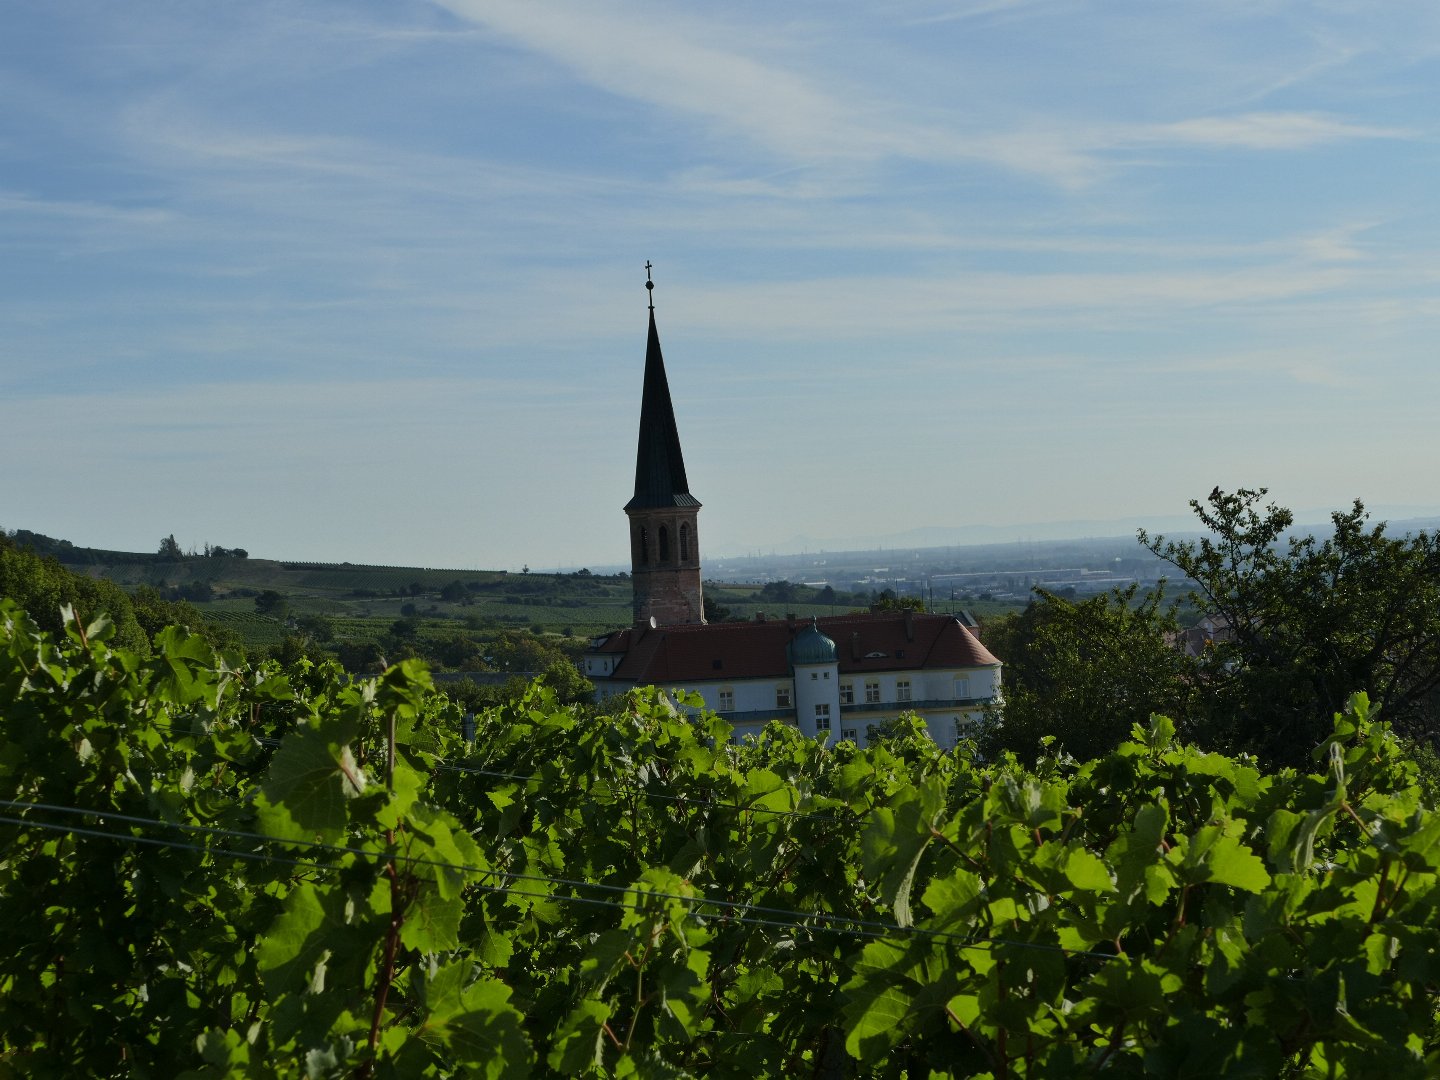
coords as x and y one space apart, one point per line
810 646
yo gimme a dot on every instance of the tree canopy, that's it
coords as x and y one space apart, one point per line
1081 674
41 586
1299 623
1309 620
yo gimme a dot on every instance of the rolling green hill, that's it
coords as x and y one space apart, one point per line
265 601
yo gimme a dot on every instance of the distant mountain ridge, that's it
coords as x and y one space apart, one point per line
1398 519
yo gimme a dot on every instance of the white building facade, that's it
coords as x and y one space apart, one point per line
834 678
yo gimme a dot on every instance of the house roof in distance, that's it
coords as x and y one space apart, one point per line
710 652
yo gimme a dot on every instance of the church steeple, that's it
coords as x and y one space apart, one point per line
660 467
665 545
659 464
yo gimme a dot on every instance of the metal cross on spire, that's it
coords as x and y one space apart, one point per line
649 285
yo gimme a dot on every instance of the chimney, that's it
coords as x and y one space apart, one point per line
855 645
909 624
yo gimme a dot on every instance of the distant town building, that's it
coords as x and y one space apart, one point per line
837 677
1210 631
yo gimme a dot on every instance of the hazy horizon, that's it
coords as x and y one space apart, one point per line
919 539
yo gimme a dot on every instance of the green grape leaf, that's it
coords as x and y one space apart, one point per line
432 921
875 1021
1232 863
306 789
1085 871
482 1032
579 1044
897 837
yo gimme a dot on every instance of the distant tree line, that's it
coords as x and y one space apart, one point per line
41 584
170 550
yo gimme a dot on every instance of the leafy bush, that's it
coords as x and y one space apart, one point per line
216 869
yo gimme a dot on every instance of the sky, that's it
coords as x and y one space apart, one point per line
364 281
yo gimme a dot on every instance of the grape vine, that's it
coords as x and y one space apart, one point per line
214 869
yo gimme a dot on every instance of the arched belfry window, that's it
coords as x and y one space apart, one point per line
664 544
642 546
684 542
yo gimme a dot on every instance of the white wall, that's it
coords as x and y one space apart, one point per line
817 684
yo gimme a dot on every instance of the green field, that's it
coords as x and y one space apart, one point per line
743 603
360 605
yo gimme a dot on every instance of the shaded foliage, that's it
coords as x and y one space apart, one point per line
213 869
41 585
1311 621
1084 673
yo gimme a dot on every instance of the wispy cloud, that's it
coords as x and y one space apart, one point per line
675 64
737 87
978 10
1306 367
1260 131
16 205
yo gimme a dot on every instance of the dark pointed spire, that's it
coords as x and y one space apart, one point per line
659 465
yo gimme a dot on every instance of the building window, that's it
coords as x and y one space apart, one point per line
727 700
642 536
847 693
782 697
872 691
684 542
664 544
848 733
822 717
814 675
902 689
962 689
827 676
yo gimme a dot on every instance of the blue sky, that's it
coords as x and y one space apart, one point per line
364 280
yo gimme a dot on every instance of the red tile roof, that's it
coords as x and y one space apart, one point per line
877 641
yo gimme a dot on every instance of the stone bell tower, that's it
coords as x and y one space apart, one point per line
664 539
